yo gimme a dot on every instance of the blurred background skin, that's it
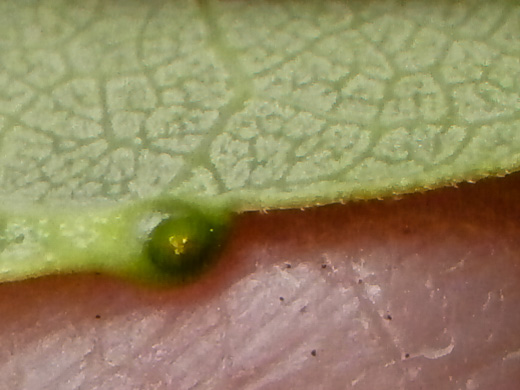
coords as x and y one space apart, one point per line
421 292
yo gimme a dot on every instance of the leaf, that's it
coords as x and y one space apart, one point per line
107 106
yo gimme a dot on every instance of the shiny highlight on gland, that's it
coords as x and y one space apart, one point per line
178 244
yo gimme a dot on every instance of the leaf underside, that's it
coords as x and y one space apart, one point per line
255 104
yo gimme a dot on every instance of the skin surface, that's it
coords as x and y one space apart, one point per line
422 292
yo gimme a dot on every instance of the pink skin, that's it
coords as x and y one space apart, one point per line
420 292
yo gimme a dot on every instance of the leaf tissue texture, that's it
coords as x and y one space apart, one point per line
270 102
264 104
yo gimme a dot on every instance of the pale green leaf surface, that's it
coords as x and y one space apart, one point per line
106 105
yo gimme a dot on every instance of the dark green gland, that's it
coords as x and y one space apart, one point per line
183 244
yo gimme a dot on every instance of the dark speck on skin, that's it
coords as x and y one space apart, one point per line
313 352
281 299
360 281
407 355
287 265
98 316
388 317
324 266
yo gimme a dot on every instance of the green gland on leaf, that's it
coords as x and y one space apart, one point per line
185 243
